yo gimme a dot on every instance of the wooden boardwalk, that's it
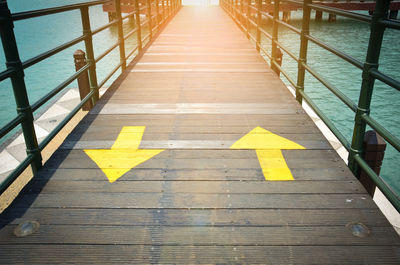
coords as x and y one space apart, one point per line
198 89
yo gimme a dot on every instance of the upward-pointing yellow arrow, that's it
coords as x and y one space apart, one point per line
124 154
268 147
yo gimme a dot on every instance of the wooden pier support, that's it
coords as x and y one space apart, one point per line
332 18
286 16
374 151
83 80
111 16
318 15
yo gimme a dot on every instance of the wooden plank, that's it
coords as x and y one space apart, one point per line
128 254
207 187
136 174
190 200
186 217
200 236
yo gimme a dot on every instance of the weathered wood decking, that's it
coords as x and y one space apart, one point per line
200 87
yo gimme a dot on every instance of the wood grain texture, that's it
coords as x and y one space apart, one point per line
199 88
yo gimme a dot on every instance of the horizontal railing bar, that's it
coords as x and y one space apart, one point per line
146 37
284 73
11 125
109 75
294 57
51 52
142 8
265 14
16 173
341 12
385 79
390 23
389 137
144 22
132 52
292 28
101 56
346 100
64 122
342 55
389 193
326 120
130 33
128 15
53 10
106 26
252 37
6 74
252 22
269 36
253 7
265 52
60 87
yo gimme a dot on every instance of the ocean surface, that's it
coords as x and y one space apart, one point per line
37 35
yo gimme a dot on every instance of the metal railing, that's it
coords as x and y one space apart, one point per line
163 11
240 11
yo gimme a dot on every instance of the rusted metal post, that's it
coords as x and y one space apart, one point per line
318 15
83 80
374 151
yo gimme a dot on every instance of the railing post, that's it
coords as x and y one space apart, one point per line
138 24
274 35
83 80
158 13
259 21
13 62
305 30
367 85
163 11
374 151
149 17
248 19
87 32
121 39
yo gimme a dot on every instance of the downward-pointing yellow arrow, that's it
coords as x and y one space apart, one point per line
268 147
124 154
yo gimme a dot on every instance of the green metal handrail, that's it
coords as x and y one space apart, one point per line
378 22
15 68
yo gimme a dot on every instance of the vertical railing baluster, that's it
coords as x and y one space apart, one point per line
367 85
158 15
13 62
87 32
121 39
259 21
149 17
275 25
305 30
248 19
138 24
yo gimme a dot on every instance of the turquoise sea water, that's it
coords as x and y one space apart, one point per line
37 35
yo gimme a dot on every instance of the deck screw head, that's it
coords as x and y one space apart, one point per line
26 228
358 229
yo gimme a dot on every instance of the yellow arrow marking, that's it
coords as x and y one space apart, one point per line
268 147
124 154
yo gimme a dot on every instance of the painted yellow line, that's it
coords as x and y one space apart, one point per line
124 154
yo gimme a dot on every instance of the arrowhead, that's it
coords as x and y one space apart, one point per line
261 139
124 154
116 162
